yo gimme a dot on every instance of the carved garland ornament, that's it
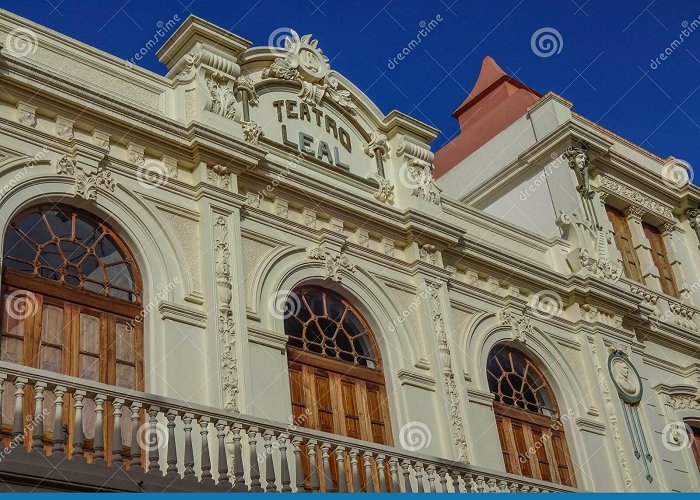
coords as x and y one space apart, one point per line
520 325
226 324
455 409
333 265
305 63
86 183
610 409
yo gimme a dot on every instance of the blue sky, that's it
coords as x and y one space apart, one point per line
604 65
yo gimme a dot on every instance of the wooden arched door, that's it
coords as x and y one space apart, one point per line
335 369
530 427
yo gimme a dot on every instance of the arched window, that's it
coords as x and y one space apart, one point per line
71 299
335 369
530 426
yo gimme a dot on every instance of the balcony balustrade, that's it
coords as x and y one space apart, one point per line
72 434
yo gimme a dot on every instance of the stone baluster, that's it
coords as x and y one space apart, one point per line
221 455
206 461
171 459
135 429
328 485
442 474
298 466
381 472
285 478
492 488
406 466
342 476
513 487
455 481
480 484
503 486
3 379
189 473
270 477
355 469
38 431
255 484
152 441
98 443
238 470
78 437
18 420
58 448
431 478
394 470
369 479
419 477
313 465
117 458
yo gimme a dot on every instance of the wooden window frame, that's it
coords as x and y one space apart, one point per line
74 302
365 383
625 244
532 444
659 255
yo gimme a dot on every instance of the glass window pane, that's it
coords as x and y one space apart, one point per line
52 324
126 376
50 359
125 343
89 334
11 349
89 367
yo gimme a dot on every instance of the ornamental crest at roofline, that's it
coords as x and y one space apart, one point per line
305 62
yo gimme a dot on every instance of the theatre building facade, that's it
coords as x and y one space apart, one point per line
244 276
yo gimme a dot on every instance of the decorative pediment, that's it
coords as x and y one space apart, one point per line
305 63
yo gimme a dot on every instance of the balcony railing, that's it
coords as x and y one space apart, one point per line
69 433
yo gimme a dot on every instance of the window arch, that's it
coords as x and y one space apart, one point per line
530 426
71 299
334 366
335 369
